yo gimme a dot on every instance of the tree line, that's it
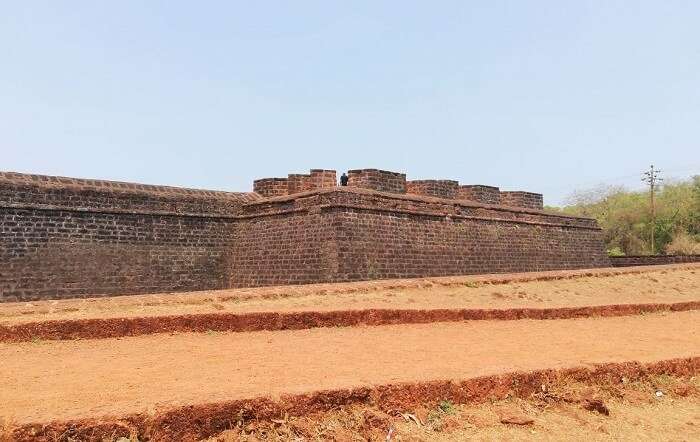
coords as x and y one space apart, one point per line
625 217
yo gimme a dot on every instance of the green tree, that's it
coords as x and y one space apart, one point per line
625 215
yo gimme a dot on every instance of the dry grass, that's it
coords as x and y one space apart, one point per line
6 427
683 244
636 413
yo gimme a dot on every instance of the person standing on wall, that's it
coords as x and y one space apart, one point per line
343 179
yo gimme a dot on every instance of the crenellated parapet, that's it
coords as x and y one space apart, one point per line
323 178
375 179
479 193
395 182
295 183
447 189
271 187
526 200
298 182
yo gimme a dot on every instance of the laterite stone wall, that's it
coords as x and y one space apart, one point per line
374 179
298 183
355 234
323 179
375 245
295 183
50 192
294 248
438 188
67 237
526 200
55 253
479 194
271 187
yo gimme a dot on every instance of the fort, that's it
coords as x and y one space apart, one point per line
67 237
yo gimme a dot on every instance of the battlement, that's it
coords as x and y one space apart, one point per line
323 178
295 183
375 179
438 188
527 200
395 182
409 203
271 187
19 189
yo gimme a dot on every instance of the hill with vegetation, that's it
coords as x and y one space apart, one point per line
625 217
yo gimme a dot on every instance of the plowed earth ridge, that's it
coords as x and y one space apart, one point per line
607 293
196 422
87 378
563 288
271 321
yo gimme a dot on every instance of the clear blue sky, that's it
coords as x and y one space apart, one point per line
547 96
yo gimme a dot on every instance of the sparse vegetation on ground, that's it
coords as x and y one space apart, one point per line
666 407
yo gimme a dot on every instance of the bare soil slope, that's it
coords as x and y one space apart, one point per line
638 285
634 412
76 379
162 373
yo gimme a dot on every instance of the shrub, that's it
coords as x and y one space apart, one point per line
615 251
446 407
683 244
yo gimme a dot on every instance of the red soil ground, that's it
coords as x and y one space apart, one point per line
78 379
185 386
568 410
566 288
524 296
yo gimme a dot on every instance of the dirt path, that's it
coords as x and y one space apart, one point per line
656 284
74 379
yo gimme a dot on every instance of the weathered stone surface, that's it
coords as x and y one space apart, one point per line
66 237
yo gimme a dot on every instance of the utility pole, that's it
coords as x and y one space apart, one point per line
652 178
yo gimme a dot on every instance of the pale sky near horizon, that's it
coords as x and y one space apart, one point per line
545 96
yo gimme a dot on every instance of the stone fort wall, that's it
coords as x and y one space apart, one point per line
65 237
355 234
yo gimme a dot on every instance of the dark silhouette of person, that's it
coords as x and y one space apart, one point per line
343 179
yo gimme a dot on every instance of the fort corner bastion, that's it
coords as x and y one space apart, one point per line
66 237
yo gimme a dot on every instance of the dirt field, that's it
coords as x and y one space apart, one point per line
634 285
189 386
77 379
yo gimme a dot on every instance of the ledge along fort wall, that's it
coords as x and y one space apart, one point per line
647 260
67 237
